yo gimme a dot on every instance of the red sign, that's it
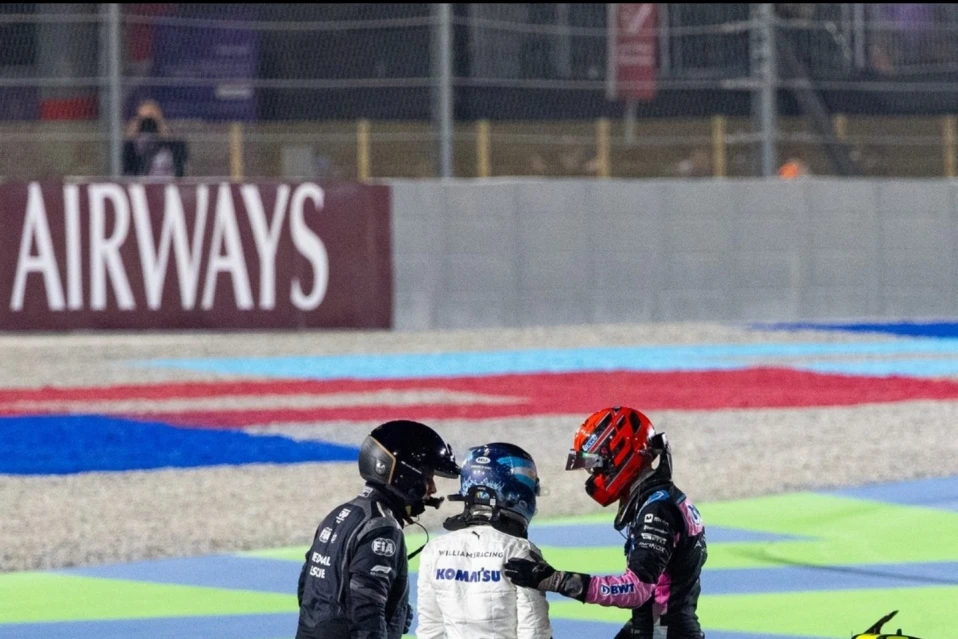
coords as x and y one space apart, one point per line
633 48
167 256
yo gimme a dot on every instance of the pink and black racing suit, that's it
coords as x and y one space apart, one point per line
665 552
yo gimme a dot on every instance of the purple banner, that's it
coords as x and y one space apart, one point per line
191 45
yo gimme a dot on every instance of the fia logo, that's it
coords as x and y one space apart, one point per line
384 547
324 535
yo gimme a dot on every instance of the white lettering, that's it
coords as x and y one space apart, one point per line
226 231
71 208
105 251
187 261
154 260
267 239
310 246
36 229
323 560
319 573
152 264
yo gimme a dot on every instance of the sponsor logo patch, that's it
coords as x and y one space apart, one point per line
616 590
696 515
343 514
380 571
324 535
479 554
468 576
384 547
658 495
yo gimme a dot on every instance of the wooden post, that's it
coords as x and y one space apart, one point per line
603 130
483 150
950 135
362 150
719 161
236 151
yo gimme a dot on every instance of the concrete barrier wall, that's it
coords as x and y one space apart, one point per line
549 252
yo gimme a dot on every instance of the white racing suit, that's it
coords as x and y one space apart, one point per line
464 595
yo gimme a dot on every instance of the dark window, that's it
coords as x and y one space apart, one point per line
18 40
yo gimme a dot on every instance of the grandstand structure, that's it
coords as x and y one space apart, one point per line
361 91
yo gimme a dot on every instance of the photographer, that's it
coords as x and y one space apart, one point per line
149 151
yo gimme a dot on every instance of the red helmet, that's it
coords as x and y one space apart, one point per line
613 444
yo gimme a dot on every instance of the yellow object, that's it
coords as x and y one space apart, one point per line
363 171
719 126
603 156
236 151
483 160
875 631
840 124
950 144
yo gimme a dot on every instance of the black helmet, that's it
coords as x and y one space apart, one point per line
399 454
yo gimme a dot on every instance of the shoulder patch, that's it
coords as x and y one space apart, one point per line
658 495
384 547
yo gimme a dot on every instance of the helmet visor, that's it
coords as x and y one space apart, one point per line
444 464
589 461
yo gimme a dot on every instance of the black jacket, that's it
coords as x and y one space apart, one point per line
354 583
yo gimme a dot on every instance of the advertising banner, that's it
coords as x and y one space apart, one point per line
107 255
633 49
202 59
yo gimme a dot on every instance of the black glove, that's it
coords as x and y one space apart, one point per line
529 573
537 573
410 612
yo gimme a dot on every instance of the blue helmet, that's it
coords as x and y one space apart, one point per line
501 476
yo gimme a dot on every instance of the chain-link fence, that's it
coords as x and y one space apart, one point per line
358 91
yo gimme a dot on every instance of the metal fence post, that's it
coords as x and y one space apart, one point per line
858 22
114 89
764 70
442 69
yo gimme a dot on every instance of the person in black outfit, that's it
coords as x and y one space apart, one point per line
149 150
665 546
354 583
